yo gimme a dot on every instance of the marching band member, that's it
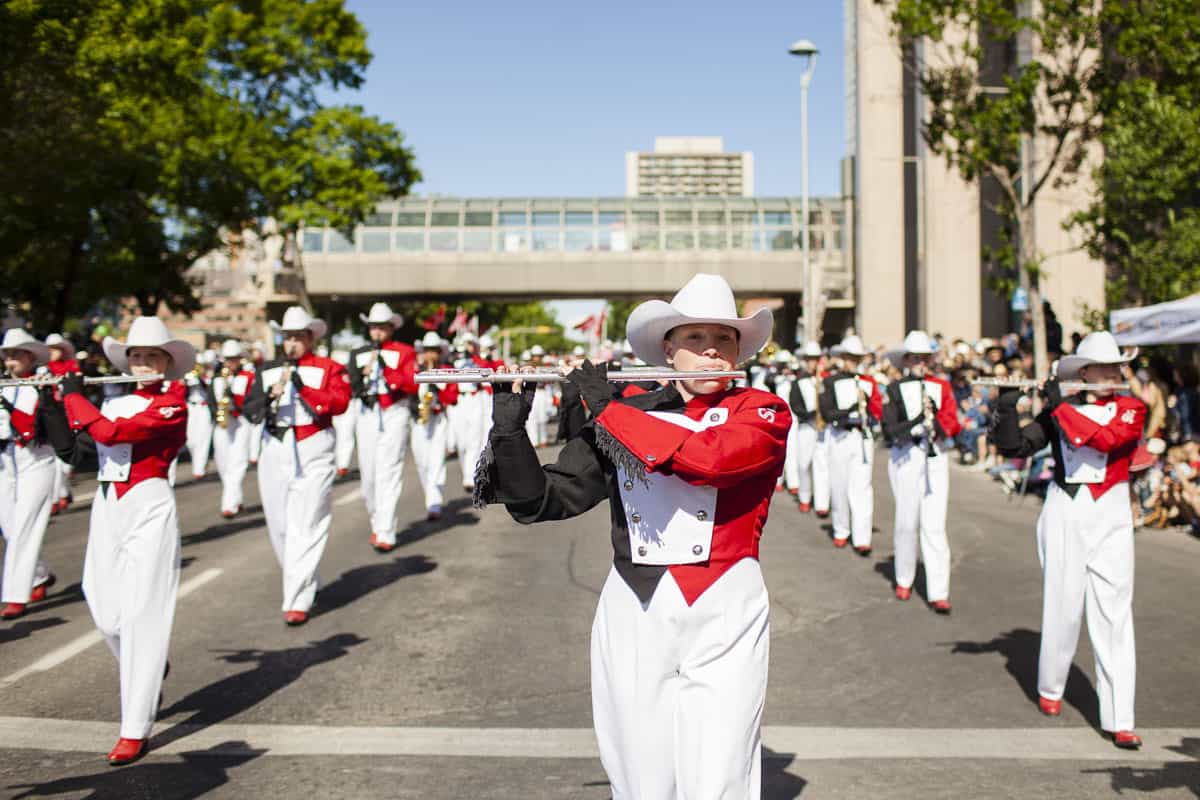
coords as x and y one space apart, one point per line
28 474
809 463
344 426
920 421
1085 531
62 362
471 419
430 426
258 356
781 377
231 436
681 633
201 417
131 570
381 375
538 425
849 402
296 398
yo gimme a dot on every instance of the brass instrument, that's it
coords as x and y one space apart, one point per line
55 380
425 407
225 401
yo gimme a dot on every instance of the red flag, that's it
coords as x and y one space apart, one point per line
600 322
587 324
459 323
435 320
473 325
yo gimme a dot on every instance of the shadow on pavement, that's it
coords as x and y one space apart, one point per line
274 670
244 521
195 775
1172 775
455 513
25 628
65 597
778 783
887 568
361 581
1020 650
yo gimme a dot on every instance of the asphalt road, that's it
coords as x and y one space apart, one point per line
456 666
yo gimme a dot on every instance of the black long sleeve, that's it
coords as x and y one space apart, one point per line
51 427
1012 439
897 428
257 402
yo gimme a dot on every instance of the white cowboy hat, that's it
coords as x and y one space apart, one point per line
705 299
578 351
486 342
850 346
783 356
19 339
297 319
1096 348
231 348
62 343
431 340
382 314
525 355
151 332
810 350
916 343
537 350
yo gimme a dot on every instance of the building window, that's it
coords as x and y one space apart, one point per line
612 217
678 217
410 241
411 219
477 219
712 240
777 217
313 241
743 217
512 218
681 240
547 218
712 217
545 240
646 239
339 243
577 218
375 241
782 240
513 241
577 241
444 219
443 241
380 219
477 241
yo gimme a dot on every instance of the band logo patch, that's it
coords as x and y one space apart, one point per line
768 414
1128 417
168 411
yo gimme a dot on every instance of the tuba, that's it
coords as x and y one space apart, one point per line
224 403
425 407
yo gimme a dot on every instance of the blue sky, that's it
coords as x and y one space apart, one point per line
530 97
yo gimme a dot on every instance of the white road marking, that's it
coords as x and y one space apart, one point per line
784 742
73 648
83 498
348 497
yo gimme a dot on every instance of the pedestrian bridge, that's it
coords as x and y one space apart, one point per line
571 247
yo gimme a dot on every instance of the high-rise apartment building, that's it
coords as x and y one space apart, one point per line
689 166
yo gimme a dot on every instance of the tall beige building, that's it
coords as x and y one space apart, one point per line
689 166
918 227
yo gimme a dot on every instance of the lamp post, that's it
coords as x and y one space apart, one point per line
807 51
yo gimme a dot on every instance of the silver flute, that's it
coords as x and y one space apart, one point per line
543 375
55 380
1025 384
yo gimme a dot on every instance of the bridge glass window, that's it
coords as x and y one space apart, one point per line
646 217
678 217
477 219
712 240
775 216
477 241
443 241
548 218
816 240
380 219
577 218
411 219
545 240
313 241
513 218
646 239
681 240
612 217
410 241
741 217
577 241
375 241
513 241
837 238
782 240
339 243
711 217
444 219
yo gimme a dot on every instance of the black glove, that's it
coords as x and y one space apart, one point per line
297 381
71 384
1052 392
510 411
592 382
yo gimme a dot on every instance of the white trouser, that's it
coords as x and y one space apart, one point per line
295 480
345 433
62 480
429 453
1086 549
921 486
130 579
537 426
803 442
256 437
199 437
382 435
678 690
472 432
231 451
822 490
851 457
27 484
451 414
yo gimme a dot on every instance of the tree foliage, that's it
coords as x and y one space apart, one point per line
132 134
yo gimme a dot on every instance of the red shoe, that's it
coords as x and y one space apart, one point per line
295 618
1051 708
433 515
805 508
341 473
863 550
941 606
794 492
126 752
381 546
779 487
840 542
39 592
1127 740
903 592
822 514
64 504
228 514
12 611
55 507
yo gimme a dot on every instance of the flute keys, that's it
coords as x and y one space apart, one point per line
642 551
701 515
635 518
628 486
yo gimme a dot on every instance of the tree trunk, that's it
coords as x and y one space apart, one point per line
1030 277
62 302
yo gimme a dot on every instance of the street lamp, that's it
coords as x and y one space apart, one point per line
807 51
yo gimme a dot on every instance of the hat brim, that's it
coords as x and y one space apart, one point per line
897 356
183 356
651 321
39 351
1069 366
67 348
396 320
316 327
838 350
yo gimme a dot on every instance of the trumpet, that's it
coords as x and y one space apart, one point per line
225 401
486 375
1026 384
425 407
55 380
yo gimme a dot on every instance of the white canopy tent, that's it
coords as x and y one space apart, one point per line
1176 322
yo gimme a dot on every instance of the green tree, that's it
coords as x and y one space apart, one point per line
988 131
134 134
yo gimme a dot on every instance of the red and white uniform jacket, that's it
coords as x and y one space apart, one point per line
445 394
839 400
308 408
905 410
137 435
1093 443
64 366
689 483
384 375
